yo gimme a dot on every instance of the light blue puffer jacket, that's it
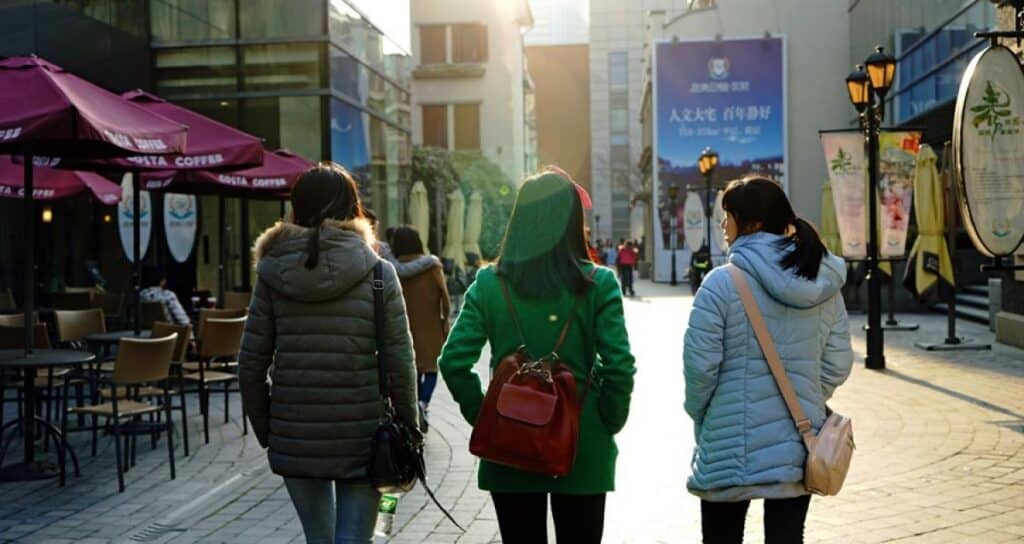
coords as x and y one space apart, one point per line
747 444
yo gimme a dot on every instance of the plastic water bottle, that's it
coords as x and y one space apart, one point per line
386 514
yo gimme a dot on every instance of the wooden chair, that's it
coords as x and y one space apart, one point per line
222 338
73 326
218 313
237 300
162 329
140 362
16 320
13 337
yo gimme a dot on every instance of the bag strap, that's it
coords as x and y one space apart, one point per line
378 318
803 425
515 317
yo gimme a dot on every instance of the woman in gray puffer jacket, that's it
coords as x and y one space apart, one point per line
311 325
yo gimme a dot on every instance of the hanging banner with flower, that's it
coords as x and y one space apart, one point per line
897 160
988 151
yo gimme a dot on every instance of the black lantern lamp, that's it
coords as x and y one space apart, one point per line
858 84
881 68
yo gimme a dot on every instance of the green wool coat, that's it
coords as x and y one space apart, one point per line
597 339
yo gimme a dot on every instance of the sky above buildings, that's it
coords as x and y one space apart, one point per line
559 22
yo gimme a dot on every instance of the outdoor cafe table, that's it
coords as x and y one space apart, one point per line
108 339
16 359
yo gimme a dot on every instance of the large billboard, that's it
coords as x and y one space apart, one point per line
727 94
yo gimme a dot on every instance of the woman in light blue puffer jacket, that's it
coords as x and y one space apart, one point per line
747 445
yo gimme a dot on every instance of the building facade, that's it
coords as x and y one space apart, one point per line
561 76
815 52
618 42
471 84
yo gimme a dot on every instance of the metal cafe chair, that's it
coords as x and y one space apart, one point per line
140 362
72 300
222 338
162 329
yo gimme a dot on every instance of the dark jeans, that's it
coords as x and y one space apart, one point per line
722 522
427 383
626 278
523 517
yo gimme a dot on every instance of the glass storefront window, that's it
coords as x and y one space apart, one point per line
195 71
350 145
280 18
225 111
289 66
348 76
191 20
291 122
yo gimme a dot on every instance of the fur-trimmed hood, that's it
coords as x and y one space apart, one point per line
346 257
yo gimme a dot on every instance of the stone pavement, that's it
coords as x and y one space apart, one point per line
940 458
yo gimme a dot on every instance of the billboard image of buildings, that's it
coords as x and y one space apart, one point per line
726 94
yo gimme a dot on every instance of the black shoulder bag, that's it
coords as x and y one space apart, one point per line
396 454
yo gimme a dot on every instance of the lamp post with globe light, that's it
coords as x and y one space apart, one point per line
867 86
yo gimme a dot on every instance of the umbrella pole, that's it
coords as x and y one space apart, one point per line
221 249
890 323
30 256
244 240
137 249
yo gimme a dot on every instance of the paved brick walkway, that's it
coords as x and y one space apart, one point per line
940 458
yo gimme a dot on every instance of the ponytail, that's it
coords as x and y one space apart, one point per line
313 248
808 249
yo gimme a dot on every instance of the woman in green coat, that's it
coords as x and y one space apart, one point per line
544 263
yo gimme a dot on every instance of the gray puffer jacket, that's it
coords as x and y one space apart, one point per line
314 331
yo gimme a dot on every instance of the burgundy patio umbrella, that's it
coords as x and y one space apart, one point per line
45 110
53 184
271 181
212 145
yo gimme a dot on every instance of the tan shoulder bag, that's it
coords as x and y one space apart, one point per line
828 453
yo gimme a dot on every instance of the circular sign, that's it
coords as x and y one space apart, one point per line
988 148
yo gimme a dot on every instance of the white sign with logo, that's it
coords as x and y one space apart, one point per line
717 215
845 160
180 220
988 150
126 217
693 221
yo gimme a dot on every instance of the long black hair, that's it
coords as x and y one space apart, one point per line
545 245
759 203
325 191
405 240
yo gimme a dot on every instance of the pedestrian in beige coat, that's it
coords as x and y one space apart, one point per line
428 307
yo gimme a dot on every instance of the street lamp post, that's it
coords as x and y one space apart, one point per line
867 93
673 236
707 163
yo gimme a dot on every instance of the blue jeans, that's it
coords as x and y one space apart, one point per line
334 512
428 382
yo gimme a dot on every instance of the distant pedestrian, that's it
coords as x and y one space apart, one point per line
312 322
552 286
748 446
428 307
626 261
611 254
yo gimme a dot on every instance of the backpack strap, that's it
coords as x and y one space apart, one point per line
764 339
